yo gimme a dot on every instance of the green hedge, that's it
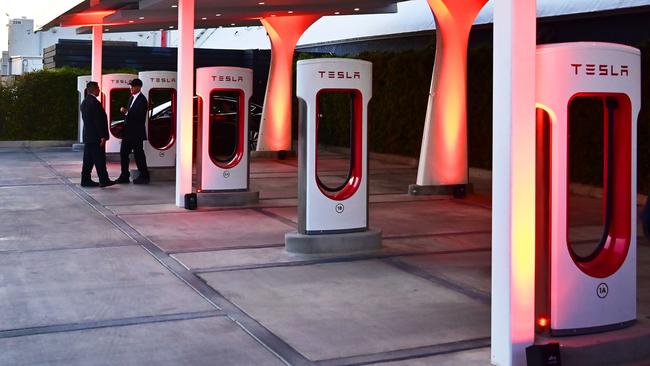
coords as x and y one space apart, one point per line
401 82
42 105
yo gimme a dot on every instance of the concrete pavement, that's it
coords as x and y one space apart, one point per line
120 276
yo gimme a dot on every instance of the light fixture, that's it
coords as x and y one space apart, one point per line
141 18
174 6
218 15
261 3
171 27
290 11
232 24
356 9
273 15
337 12
204 18
131 21
106 30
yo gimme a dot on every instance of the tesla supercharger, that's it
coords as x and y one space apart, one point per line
81 90
115 94
159 87
222 161
333 211
582 292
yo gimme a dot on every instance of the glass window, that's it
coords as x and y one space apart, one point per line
162 118
225 123
119 98
336 126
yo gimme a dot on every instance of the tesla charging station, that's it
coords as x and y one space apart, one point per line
582 291
222 142
159 87
333 210
81 89
115 94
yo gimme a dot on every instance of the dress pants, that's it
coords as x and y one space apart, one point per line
138 153
94 155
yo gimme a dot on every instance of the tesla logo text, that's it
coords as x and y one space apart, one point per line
120 81
602 290
601 69
339 75
163 80
232 78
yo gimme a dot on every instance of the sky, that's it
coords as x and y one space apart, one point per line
42 11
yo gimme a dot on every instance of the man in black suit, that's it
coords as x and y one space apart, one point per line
95 134
134 135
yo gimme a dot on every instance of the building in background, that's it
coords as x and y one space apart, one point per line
26 45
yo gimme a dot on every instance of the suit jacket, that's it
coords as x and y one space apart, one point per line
95 120
135 119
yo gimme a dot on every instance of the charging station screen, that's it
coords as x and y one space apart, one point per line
119 98
162 118
586 217
335 126
225 122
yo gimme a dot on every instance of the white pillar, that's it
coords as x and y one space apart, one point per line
96 63
513 182
185 97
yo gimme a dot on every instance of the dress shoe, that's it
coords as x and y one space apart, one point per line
89 183
107 184
141 180
122 180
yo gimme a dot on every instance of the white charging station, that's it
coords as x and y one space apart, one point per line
333 217
115 94
222 156
81 90
595 292
159 87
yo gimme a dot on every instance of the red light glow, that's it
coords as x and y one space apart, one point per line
284 32
87 19
445 144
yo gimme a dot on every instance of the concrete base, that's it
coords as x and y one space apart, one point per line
280 155
158 174
220 199
78 147
456 190
327 244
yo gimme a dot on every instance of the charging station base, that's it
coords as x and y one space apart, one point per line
327 244
456 190
157 174
224 199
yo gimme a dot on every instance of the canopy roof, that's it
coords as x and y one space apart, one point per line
141 15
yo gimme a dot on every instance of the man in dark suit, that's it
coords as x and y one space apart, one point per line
95 134
134 135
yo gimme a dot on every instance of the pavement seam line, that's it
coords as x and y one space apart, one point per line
409 354
99 324
470 292
274 344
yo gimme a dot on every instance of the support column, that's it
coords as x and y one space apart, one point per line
185 95
443 156
96 58
513 182
275 127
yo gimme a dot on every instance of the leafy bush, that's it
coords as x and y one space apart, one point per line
42 105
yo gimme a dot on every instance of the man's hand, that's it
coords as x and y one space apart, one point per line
102 142
124 110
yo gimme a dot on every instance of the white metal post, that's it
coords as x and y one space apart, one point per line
96 58
513 184
185 92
